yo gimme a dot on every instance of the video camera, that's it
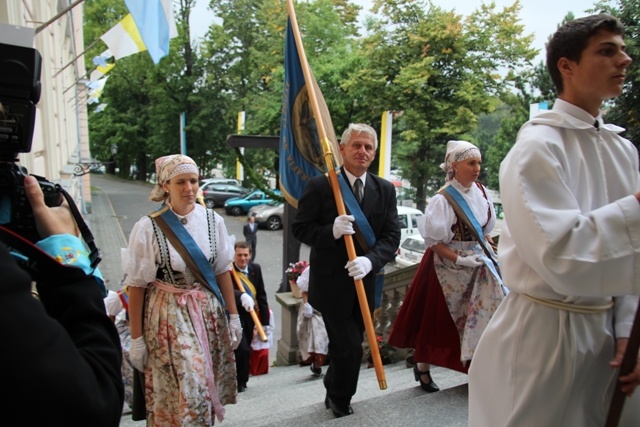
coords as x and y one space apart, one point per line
19 93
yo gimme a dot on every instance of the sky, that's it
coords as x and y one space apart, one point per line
540 17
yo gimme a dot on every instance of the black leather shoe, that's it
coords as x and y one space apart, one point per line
241 388
338 410
429 387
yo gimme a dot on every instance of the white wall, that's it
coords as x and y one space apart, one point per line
61 117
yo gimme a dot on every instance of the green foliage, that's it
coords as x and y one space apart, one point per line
444 76
440 72
145 101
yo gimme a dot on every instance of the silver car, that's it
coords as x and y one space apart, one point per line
411 251
269 215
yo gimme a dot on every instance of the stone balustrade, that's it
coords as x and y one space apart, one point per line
395 288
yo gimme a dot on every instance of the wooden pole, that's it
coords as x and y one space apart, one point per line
628 365
254 315
335 186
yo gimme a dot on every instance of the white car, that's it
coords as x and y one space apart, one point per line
408 218
411 251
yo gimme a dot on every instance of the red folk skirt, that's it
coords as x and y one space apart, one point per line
424 322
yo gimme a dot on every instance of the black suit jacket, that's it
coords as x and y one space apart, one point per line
61 355
255 275
250 236
331 290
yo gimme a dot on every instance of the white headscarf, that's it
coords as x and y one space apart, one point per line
166 168
456 152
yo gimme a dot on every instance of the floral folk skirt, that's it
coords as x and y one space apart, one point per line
176 388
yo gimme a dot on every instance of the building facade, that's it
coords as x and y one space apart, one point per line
61 134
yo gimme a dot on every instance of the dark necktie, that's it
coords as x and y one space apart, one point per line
357 190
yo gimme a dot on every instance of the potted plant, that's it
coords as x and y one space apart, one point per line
387 353
293 272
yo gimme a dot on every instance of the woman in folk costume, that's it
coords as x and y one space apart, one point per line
457 286
313 340
181 338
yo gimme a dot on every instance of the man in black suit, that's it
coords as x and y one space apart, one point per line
250 275
331 285
250 232
61 353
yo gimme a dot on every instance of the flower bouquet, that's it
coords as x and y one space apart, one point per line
293 272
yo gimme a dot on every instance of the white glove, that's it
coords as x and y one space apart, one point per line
247 302
267 329
359 267
138 353
469 261
342 225
235 329
307 310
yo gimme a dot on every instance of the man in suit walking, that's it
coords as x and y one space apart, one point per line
250 275
331 283
250 232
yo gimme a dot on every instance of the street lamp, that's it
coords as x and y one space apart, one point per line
84 167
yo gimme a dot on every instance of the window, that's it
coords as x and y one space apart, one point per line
414 220
402 219
416 245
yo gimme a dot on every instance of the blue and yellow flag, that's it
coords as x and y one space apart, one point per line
156 25
301 154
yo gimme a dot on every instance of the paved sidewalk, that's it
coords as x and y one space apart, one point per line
108 236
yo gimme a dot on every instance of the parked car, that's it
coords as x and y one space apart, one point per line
226 181
408 218
269 215
216 194
410 251
497 204
241 205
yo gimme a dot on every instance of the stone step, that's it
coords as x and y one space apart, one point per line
290 396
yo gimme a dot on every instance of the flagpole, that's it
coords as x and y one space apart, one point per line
76 58
335 186
628 364
67 9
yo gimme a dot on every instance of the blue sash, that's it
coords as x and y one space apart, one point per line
354 208
466 209
365 231
196 253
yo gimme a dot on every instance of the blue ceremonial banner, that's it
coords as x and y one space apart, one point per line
154 19
301 155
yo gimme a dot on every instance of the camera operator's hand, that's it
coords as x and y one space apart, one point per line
49 221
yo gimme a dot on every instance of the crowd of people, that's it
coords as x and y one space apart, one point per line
192 321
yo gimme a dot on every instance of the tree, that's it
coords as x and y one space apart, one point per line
145 101
440 72
246 48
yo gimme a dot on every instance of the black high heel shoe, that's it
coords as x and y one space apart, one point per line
429 387
316 372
